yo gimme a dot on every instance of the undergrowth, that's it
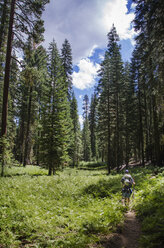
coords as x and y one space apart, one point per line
149 205
75 207
66 210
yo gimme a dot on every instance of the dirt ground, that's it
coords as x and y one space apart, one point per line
126 237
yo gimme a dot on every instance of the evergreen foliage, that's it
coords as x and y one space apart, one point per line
19 20
55 115
86 131
110 89
148 77
93 126
66 55
76 148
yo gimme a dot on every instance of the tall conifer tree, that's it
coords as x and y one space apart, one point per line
86 131
110 89
55 115
93 126
66 55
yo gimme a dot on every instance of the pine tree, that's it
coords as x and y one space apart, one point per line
4 16
41 62
149 24
30 76
55 115
86 131
129 106
13 108
93 126
66 55
110 89
117 85
76 153
25 17
104 113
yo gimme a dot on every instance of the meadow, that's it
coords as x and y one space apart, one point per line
75 207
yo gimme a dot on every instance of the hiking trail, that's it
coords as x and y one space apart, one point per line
126 237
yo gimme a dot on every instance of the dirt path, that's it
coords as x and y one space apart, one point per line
127 237
131 231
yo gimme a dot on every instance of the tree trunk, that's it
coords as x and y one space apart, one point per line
127 149
22 141
117 134
50 171
3 20
146 123
6 81
7 70
108 164
26 152
156 133
141 145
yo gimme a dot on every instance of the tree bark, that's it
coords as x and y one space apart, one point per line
25 162
7 70
3 20
141 145
156 133
109 164
6 82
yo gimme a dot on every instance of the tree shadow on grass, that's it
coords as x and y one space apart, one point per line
23 174
103 188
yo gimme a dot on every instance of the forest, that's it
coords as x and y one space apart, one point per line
60 182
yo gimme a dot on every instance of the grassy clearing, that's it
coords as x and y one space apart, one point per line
73 208
68 210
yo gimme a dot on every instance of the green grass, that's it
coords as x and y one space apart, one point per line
93 165
149 205
75 207
68 210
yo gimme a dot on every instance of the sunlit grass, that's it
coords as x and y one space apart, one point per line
73 208
59 211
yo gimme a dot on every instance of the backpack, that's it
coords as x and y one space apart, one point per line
127 181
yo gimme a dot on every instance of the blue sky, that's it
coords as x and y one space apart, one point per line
85 23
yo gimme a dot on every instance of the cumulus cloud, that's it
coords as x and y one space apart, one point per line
85 23
81 120
85 77
116 12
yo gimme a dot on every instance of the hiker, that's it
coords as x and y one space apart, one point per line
127 182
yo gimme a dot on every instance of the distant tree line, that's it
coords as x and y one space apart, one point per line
126 117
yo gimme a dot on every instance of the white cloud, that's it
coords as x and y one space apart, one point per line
81 120
85 23
85 77
116 12
80 96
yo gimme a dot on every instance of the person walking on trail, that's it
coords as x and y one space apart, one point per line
127 182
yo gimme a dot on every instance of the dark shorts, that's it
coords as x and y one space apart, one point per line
126 192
